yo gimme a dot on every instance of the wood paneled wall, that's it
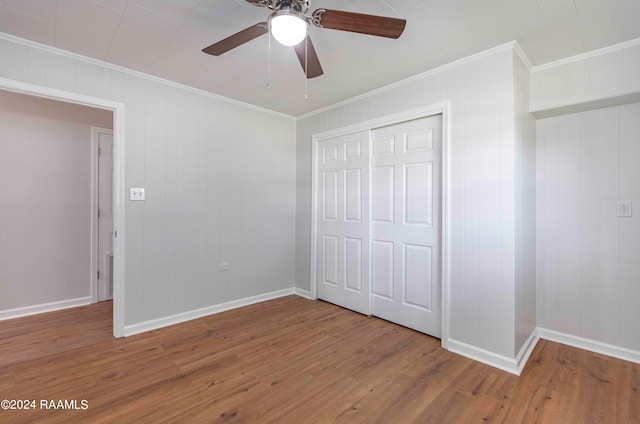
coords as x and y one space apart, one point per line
588 259
525 168
219 179
592 77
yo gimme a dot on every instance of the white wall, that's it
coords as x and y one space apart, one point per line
481 91
45 193
604 77
525 185
587 272
219 179
588 258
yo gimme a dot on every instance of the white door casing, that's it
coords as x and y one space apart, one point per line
406 223
343 221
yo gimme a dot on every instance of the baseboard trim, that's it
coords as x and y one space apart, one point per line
590 345
501 362
504 363
44 307
526 350
302 293
130 330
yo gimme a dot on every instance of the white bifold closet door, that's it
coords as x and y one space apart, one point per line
378 241
405 224
343 221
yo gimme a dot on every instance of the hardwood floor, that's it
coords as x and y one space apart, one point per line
293 360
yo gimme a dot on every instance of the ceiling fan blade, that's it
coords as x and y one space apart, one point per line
237 39
307 56
357 22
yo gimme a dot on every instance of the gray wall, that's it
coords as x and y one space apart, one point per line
219 179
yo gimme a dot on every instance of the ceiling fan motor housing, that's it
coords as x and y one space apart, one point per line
297 6
300 6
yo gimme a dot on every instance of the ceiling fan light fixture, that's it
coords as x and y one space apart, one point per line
288 27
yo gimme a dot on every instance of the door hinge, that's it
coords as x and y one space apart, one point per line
115 234
98 274
98 213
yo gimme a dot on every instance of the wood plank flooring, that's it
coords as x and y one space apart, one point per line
293 360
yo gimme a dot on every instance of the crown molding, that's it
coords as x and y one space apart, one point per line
587 55
139 74
501 48
522 55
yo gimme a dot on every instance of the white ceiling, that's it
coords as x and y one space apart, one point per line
165 37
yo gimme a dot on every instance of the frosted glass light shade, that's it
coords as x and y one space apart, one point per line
288 29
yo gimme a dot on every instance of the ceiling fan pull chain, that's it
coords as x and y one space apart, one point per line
306 66
269 60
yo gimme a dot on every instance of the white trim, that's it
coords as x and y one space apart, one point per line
119 283
119 201
526 350
56 94
155 324
395 118
443 108
522 55
583 103
515 366
93 221
587 55
45 307
501 362
313 278
75 56
590 345
446 244
511 365
303 293
501 48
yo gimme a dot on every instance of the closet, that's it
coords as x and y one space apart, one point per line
378 222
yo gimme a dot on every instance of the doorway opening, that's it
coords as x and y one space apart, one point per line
56 192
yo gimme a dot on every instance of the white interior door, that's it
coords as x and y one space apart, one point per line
105 215
405 224
342 231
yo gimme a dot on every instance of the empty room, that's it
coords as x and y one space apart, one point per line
319 211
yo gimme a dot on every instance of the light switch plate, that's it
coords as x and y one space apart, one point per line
624 209
136 194
223 266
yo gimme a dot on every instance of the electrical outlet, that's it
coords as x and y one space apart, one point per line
223 266
624 209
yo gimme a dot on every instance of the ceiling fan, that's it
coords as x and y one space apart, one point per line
290 26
